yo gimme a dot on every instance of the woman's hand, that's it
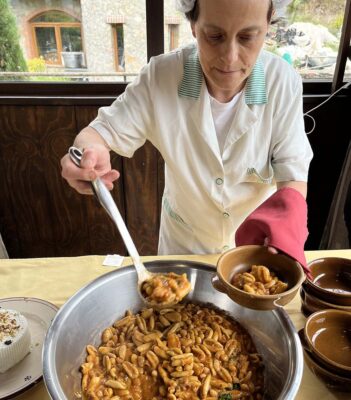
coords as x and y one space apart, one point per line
272 250
95 163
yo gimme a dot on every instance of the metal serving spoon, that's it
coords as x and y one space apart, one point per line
107 202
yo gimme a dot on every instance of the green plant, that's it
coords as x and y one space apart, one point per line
336 24
293 8
332 45
11 55
36 64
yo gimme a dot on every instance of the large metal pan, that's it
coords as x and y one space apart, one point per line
83 317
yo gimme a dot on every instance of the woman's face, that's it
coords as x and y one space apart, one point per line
230 34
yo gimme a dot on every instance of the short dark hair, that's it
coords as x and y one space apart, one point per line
193 14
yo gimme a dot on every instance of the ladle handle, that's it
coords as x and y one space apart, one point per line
107 202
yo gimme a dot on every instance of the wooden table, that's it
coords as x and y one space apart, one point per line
56 279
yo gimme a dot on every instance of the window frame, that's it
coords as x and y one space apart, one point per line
57 26
105 92
173 36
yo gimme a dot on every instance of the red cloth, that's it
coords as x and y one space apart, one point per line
282 221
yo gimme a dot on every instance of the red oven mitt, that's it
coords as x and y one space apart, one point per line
279 222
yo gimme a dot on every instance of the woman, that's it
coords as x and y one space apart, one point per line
226 117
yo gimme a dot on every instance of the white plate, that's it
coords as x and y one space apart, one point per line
29 371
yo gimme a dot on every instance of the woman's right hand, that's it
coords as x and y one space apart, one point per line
95 163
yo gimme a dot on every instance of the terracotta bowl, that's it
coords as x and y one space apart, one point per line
330 379
241 259
331 280
328 337
310 303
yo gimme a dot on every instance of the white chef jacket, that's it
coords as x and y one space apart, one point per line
207 195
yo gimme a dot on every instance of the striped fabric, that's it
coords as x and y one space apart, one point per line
255 89
190 86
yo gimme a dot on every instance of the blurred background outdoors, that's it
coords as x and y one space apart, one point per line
105 40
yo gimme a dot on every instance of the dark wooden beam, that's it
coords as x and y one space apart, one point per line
154 27
344 49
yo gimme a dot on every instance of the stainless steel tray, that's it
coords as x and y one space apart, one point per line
83 317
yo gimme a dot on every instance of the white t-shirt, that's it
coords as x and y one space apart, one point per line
223 115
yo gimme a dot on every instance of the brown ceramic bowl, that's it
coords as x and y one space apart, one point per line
328 337
241 259
331 280
331 380
310 303
334 381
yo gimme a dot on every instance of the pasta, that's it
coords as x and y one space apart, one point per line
167 288
259 280
184 352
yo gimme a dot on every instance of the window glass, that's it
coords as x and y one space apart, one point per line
73 40
54 16
306 33
177 30
119 47
46 44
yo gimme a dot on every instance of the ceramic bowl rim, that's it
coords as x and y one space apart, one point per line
321 289
326 371
323 302
313 349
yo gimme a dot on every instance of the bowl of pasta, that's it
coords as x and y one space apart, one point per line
104 343
256 278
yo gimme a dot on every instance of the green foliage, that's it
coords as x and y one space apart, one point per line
329 13
36 65
11 55
332 45
336 24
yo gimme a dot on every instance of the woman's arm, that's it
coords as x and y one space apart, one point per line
297 185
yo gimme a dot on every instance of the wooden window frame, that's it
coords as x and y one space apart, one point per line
105 92
173 33
57 26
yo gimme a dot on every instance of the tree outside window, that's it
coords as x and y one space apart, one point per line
11 56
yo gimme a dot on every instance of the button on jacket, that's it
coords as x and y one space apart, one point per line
207 195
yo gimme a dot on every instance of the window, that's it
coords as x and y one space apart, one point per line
118 38
177 28
307 35
173 35
75 41
57 39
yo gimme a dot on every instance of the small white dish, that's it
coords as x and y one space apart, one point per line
29 371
